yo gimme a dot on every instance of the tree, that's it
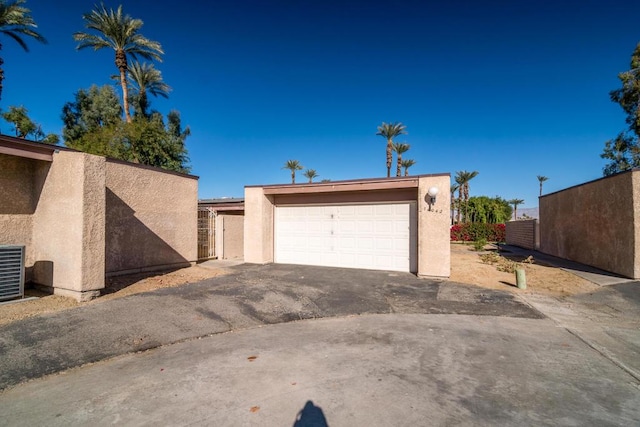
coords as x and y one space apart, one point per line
400 148
293 166
406 164
15 22
92 110
624 151
92 124
485 209
22 124
120 33
310 173
24 127
462 179
541 179
390 131
453 189
515 203
145 78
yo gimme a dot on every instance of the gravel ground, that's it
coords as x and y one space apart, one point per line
116 287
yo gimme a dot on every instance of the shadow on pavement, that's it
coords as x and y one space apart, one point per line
310 416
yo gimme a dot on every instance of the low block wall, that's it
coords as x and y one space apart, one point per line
523 233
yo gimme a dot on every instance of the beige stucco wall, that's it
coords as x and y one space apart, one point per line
434 256
74 211
595 224
232 235
68 226
434 253
151 218
258 226
17 185
19 192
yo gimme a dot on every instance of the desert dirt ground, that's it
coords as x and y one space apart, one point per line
467 266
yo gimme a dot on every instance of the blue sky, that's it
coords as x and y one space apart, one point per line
512 89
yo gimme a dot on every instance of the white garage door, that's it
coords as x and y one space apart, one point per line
372 236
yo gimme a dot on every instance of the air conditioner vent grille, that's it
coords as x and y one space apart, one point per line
11 271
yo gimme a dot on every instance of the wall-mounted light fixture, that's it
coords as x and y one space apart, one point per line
432 193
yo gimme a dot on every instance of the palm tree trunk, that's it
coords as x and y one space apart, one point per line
293 176
452 202
406 171
389 157
466 203
121 63
125 94
540 188
143 103
458 214
399 168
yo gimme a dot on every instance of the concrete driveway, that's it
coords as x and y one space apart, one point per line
392 350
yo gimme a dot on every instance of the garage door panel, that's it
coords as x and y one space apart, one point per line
362 236
345 226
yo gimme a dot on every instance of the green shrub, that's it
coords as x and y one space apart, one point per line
479 244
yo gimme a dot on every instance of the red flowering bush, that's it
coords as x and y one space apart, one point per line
473 231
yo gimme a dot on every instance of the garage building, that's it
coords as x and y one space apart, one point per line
390 224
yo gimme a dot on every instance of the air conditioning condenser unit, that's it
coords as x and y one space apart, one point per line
11 271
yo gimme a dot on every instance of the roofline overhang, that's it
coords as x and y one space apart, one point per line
371 184
19 147
236 208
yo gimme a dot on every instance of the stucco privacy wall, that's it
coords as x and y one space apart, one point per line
232 234
595 223
434 237
151 218
523 233
54 200
433 223
68 226
258 226
19 190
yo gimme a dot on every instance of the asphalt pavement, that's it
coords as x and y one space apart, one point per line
251 295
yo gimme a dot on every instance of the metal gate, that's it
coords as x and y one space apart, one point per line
206 228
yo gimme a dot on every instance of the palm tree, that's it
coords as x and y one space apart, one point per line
400 147
146 78
453 189
120 33
515 203
15 22
541 179
390 131
310 173
462 179
406 164
293 166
